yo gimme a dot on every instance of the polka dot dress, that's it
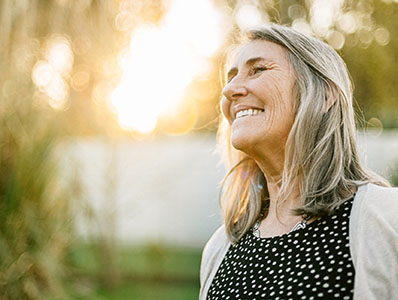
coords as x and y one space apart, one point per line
310 263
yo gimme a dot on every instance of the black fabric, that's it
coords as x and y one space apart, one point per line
310 263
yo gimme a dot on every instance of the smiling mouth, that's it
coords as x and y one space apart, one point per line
248 112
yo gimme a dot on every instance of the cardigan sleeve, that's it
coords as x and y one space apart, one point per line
374 243
212 257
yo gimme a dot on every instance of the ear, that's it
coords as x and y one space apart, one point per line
330 97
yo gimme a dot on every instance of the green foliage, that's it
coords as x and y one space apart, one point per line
35 223
34 220
150 272
373 69
394 175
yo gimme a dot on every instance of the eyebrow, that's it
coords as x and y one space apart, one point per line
249 62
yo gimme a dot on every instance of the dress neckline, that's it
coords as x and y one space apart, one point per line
298 231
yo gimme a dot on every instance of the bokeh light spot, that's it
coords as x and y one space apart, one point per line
297 11
49 74
248 16
80 77
302 26
58 92
365 37
348 23
124 21
42 73
382 36
375 126
336 40
323 13
59 54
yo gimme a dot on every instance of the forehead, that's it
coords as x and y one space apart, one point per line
267 50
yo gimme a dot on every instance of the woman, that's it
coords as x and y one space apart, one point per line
303 218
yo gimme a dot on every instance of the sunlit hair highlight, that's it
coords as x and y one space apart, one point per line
321 155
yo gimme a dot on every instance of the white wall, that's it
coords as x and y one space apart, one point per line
380 151
166 189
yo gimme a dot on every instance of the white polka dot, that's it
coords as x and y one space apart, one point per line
249 261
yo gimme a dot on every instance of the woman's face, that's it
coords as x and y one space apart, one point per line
259 98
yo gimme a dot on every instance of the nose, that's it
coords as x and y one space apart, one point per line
234 89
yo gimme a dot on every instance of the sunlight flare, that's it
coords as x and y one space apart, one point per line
162 60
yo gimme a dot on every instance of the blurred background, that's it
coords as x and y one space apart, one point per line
109 171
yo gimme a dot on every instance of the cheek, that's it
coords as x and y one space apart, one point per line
283 97
226 109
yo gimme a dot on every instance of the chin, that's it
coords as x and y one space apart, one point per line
242 142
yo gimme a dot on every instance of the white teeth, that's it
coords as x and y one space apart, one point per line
248 112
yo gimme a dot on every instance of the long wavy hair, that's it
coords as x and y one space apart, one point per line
321 155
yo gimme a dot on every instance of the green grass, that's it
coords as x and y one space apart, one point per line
151 272
156 259
148 291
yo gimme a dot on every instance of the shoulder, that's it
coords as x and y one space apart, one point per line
214 248
374 211
378 202
212 256
374 242
217 240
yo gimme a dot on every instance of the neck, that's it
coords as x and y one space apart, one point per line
279 219
283 209
273 175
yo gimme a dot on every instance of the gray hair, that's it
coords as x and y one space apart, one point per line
321 152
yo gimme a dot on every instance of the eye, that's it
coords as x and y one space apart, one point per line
258 69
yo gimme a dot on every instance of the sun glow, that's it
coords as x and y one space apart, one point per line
162 60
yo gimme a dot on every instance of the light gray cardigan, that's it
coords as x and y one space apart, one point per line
373 232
